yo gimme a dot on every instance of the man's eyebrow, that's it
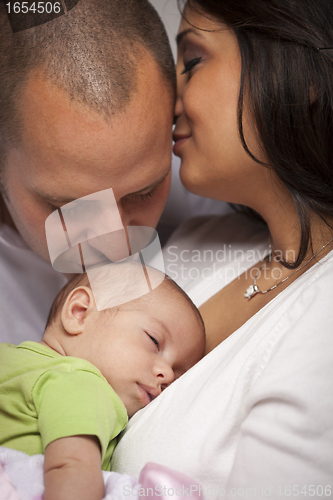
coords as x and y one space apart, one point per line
151 186
66 199
181 35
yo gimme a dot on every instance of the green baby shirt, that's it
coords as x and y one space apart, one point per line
45 396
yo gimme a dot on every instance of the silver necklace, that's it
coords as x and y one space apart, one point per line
252 290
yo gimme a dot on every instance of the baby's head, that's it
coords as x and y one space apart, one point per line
140 346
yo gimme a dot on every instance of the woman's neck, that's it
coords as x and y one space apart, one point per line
285 229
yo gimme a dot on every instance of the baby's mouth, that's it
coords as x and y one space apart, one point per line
148 393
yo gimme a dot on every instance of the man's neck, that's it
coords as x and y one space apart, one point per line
5 216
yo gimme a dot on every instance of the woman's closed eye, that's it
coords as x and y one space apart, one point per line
188 66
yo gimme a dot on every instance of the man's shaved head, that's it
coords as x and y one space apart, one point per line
93 53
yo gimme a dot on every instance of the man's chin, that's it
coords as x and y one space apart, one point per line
38 249
5 217
32 243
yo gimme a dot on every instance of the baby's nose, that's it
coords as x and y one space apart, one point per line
164 374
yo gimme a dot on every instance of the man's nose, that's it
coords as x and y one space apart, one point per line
164 373
127 214
122 213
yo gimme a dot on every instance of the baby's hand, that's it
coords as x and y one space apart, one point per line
72 469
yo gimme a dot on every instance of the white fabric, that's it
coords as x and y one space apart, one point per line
25 475
257 411
28 286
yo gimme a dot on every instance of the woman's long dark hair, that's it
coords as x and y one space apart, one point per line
290 85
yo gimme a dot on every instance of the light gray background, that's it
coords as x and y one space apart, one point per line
170 15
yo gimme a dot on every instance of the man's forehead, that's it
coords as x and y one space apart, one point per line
50 116
63 139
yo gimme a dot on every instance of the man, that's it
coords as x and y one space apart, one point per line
86 104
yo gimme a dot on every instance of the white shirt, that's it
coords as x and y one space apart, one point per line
256 412
28 286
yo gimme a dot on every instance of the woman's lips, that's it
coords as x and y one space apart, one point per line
179 141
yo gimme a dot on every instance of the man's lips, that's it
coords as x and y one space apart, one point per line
148 393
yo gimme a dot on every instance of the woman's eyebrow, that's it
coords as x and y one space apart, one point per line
181 35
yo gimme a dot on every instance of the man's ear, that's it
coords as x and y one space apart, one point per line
79 304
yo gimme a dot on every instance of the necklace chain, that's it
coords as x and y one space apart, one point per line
252 290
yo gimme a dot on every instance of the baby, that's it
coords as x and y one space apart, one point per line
70 395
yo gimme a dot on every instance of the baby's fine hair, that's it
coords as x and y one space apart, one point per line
118 282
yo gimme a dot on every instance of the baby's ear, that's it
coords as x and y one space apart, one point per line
79 303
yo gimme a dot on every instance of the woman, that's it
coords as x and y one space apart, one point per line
254 120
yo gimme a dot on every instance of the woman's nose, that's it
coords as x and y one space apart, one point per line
178 108
181 83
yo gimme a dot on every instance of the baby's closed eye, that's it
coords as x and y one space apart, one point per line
155 341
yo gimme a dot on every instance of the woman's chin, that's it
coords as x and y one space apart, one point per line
195 182
192 179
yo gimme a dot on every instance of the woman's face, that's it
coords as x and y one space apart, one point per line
214 163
